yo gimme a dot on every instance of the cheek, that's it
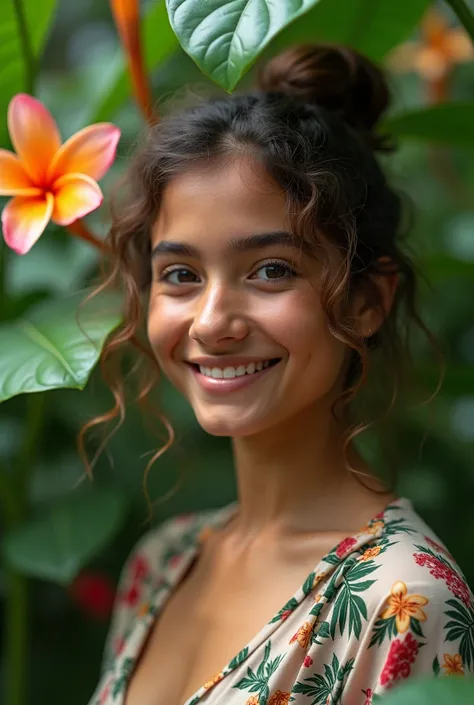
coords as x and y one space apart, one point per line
303 330
164 329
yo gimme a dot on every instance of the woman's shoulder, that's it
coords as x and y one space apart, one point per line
409 558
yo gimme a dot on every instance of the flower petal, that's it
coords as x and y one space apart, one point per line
91 151
399 589
75 195
14 181
24 220
34 135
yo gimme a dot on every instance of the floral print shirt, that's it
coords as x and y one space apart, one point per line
385 604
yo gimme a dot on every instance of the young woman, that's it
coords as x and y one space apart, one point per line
265 238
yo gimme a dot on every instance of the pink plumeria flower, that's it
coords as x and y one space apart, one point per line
49 180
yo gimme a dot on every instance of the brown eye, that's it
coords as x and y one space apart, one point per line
276 272
180 275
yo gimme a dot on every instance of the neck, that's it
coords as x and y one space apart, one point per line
295 478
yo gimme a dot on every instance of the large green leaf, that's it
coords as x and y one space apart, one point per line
435 691
55 344
374 28
38 15
159 42
58 543
450 123
225 37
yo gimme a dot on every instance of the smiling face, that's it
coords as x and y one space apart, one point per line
235 318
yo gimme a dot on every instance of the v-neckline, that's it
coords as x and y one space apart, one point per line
174 573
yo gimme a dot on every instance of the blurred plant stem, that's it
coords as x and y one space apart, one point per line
78 229
126 14
27 48
464 15
13 499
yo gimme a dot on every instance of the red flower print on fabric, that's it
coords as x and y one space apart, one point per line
441 571
308 661
132 596
139 568
345 546
438 547
400 658
368 696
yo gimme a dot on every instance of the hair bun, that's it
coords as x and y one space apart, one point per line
335 77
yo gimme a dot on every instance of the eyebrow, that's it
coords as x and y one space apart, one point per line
237 244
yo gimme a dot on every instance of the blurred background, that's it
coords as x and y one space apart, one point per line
81 62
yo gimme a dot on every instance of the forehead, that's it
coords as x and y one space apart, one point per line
229 197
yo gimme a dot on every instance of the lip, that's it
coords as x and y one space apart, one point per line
228 361
223 386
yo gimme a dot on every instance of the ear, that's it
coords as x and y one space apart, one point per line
369 313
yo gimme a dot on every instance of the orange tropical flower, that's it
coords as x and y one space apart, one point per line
302 635
49 180
280 698
403 607
213 681
453 665
253 700
370 553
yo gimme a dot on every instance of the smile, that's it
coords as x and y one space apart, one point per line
229 378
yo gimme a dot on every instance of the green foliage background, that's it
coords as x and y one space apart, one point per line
81 79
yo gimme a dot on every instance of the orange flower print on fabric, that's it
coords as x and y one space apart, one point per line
452 665
373 529
370 553
213 681
279 698
253 700
403 606
303 635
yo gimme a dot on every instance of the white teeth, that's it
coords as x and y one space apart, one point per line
231 372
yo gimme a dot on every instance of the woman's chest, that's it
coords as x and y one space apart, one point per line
202 627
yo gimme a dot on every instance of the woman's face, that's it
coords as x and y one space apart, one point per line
235 318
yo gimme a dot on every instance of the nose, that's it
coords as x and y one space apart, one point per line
219 316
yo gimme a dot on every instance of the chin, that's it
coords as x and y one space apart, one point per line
231 428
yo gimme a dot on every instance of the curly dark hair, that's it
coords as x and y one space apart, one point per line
311 123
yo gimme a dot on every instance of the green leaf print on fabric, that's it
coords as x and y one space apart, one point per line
258 682
122 681
321 631
237 660
461 626
328 688
285 611
436 668
387 628
350 608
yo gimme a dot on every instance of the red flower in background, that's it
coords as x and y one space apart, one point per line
94 593
400 658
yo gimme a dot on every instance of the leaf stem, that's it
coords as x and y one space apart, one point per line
464 15
13 497
78 229
25 40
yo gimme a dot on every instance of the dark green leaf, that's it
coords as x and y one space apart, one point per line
58 543
47 349
38 17
372 27
224 37
450 123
